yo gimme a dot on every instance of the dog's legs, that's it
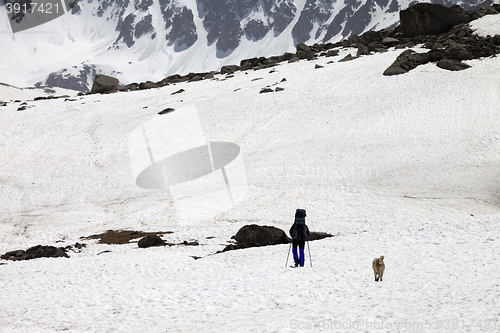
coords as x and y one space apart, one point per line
376 277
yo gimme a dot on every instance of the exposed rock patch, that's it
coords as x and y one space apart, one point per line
40 251
121 236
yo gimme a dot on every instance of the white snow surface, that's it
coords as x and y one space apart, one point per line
404 166
10 93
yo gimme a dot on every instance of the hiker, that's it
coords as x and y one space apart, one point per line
299 233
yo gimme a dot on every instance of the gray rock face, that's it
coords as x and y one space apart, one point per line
144 26
179 22
70 81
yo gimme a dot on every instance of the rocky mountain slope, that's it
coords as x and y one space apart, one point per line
147 40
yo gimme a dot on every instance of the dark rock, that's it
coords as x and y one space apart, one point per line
270 62
301 47
131 87
229 69
34 252
496 40
148 85
483 11
104 84
170 79
286 56
3 103
249 63
231 247
430 19
460 54
315 235
437 46
266 90
390 41
184 78
452 65
377 47
407 61
305 55
196 78
121 236
348 57
362 50
332 53
394 70
178 91
256 235
192 243
278 89
318 66
150 240
209 76
167 110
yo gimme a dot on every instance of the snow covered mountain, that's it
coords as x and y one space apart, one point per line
142 40
403 166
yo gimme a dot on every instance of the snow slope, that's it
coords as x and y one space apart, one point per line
403 166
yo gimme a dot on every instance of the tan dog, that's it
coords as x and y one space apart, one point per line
378 268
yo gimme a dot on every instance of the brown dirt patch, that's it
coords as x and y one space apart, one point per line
122 236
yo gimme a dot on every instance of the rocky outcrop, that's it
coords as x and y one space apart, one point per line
447 51
430 19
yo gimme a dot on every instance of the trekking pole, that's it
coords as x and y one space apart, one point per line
309 249
288 254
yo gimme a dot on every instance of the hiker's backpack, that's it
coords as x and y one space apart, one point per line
298 230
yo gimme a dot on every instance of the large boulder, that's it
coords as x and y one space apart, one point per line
452 65
104 84
430 19
150 240
256 235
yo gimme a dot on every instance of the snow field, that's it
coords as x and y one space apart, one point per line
403 166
